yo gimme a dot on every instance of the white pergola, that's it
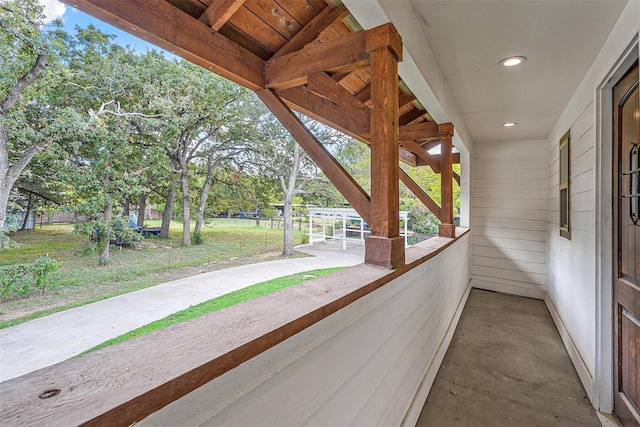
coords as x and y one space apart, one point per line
345 225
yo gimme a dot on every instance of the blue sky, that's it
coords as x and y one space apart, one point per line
73 17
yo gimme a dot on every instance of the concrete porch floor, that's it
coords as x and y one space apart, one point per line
506 366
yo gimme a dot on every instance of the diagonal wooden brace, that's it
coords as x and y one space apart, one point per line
338 176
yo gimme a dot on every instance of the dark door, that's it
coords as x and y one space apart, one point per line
626 247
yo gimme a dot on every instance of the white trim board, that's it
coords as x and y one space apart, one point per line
586 377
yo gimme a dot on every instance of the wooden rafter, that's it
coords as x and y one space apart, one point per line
340 178
322 109
170 28
327 17
337 55
219 12
412 115
322 84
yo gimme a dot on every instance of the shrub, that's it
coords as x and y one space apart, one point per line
20 280
198 239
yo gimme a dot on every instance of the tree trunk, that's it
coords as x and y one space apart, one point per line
168 212
108 216
142 208
287 216
127 207
26 215
204 195
186 208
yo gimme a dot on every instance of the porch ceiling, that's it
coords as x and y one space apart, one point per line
560 38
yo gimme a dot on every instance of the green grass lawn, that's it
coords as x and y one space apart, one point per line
227 242
232 298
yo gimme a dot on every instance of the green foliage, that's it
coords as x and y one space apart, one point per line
198 239
423 221
19 280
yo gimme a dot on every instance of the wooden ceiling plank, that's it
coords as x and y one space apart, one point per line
293 69
166 26
323 84
302 11
194 8
245 41
365 95
311 31
257 29
219 12
420 194
338 176
275 16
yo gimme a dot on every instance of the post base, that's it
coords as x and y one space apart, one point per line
387 252
447 230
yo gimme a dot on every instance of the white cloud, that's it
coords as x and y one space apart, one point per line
53 9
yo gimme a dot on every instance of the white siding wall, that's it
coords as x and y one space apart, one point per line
371 363
509 217
579 283
572 273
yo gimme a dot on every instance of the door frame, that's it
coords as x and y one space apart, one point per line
603 385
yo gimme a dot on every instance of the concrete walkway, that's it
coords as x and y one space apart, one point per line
49 340
506 366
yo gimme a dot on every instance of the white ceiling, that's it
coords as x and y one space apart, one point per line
467 39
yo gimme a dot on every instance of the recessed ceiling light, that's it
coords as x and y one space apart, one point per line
509 124
512 61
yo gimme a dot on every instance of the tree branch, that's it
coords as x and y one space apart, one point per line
12 97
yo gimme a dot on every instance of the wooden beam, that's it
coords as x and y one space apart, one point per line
429 159
384 247
407 157
420 194
322 84
419 131
310 32
456 177
219 12
385 36
161 23
327 112
344 182
446 228
341 54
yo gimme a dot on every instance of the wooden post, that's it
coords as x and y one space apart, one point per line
384 247
447 227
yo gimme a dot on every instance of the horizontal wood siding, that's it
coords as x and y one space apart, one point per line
572 267
509 213
363 365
